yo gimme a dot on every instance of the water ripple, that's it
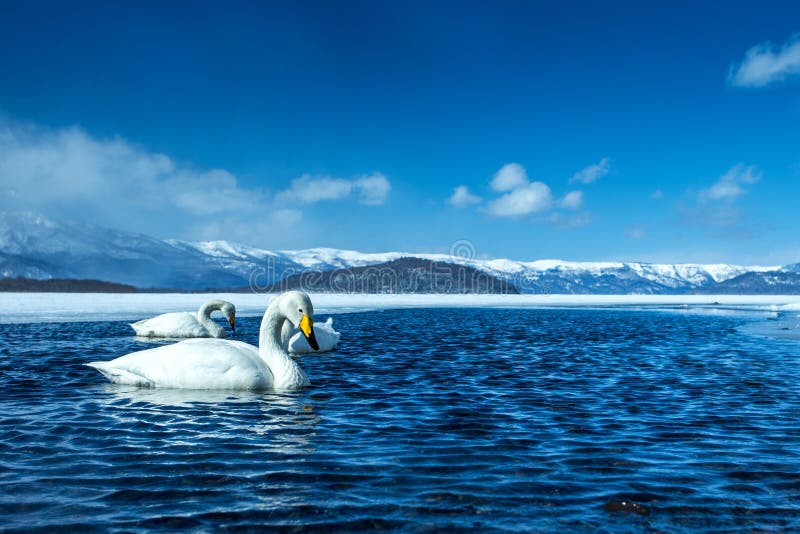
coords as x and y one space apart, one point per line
498 420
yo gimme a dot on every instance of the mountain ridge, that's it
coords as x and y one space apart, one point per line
37 247
403 275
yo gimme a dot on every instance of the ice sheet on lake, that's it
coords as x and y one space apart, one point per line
57 307
784 328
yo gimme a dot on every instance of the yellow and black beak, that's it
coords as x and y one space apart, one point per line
232 322
307 328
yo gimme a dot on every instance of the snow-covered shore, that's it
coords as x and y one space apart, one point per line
57 307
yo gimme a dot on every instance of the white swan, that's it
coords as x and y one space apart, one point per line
186 324
221 363
327 338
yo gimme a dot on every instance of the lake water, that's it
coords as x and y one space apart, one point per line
520 420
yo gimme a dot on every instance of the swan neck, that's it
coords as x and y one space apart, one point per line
286 373
208 307
204 316
287 330
271 326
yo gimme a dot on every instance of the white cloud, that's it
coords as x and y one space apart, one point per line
280 226
657 194
211 192
522 197
309 189
67 167
112 182
509 177
533 197
764 64
716 207
730 185
572 200
462 198
593 172
372 190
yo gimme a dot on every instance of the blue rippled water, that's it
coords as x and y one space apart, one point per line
520 420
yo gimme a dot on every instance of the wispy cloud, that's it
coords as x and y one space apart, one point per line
764 64
69 167
657 194
716 207
731 184
69 173
279 225
593 172
462 198
572 200
309 189
371 190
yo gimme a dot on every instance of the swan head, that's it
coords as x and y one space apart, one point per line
297 308
229 311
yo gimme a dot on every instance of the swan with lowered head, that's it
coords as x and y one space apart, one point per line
221 363
327 338
186 324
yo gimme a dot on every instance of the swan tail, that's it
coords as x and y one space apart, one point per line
336 335
121 376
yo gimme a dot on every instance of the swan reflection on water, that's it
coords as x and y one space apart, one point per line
288 420
119 395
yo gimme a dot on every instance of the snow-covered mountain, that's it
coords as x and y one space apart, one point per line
781 282
35 246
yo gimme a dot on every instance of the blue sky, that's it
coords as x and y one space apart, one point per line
652 131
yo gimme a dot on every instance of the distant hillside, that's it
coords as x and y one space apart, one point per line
37 247
404 275
62 285
769 283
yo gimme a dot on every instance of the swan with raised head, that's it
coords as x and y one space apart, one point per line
327 338
222 363
186 324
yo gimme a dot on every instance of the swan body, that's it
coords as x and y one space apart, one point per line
327 338
191 364
185 324
220 363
